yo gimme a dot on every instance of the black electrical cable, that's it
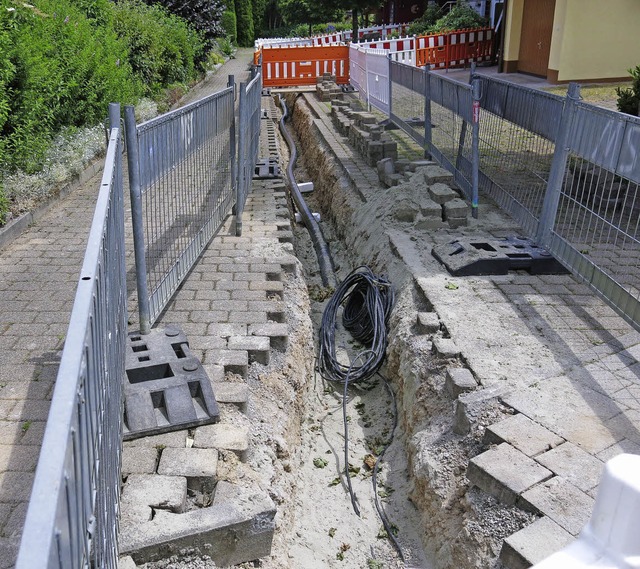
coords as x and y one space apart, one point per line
367 300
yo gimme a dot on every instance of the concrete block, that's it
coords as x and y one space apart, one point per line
441 193
189 462
237 527
455 209
533 543
470 405
445 348
459 380
391 180
557 498
435 174
385 166
223 436
429 208
577 466
258 347
232 393
428 322
402 165
416 164
428 224
524 434
142 492
235 361
136 460
455 223
505 473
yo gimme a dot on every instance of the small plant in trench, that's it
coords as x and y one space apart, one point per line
343 549
320 462
374 564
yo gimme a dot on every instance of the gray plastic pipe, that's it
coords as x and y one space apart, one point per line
319 244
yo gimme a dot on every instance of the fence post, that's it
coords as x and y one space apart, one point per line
133 161
428 135
391 62
558 168
242 157
475 145
114 115
232 141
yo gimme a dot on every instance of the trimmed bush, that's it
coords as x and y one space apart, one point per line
628 98
244 18
229 23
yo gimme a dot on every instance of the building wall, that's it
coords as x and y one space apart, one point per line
592 39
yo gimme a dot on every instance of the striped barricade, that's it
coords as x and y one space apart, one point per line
300 66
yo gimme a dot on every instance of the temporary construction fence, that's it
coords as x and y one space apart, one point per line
182 180
384 31
369 74
568 171
300 66
457 48
72 518
297 63
248 142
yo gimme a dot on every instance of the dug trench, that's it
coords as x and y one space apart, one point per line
438 519
295 417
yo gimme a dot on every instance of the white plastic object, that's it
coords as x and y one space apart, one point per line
611 539
315 214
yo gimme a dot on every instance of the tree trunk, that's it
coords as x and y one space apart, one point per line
354 25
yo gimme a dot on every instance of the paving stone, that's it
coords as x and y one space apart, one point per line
223 436
136 460
557 498
189 462
570 409
455 209
522 433
442 193
469 406
459 380
505 473
533 543
258 347
277 333
623 446
577 466
233 393
142 492
235 361
428 322
126 562
176 439
445 348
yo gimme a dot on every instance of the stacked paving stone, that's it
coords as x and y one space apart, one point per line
327 89
363 131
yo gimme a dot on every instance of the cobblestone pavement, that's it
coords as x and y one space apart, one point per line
38 276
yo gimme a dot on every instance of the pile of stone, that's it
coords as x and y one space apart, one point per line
424 194
327 89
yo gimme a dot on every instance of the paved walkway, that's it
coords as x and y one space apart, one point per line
38 277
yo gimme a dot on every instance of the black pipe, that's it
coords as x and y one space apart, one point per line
319 244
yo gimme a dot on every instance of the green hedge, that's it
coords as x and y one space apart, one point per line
63 61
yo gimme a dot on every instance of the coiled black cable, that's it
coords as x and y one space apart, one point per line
368 300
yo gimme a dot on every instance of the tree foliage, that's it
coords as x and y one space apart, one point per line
628 98
205 16
244 19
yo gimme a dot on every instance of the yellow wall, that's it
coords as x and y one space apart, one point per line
512 30
601 39
592 39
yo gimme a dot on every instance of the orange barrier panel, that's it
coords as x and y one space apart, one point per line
298 66
256 56
454 49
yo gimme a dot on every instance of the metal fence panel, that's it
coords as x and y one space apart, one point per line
72 518
248 142
185 190
407 99
378 79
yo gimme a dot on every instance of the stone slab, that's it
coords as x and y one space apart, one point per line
533 543
232 392
136 460
505 473
557 498
142 492
189 462
428 322
522 433
222 436
441 193
446 348
577 466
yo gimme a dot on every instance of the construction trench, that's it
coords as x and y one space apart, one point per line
416 423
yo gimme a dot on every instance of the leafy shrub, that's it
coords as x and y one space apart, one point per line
163 50
62 70
629 98
204 16
462 16
229 25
